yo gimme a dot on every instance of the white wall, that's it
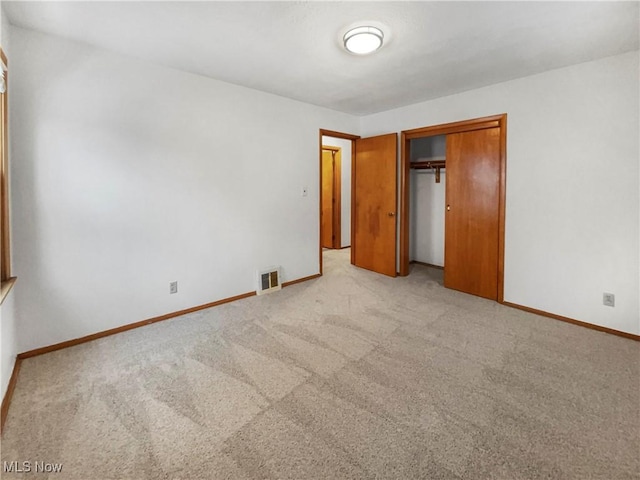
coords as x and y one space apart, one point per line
128 176
427 203
572 206
345 186
426 209
8 336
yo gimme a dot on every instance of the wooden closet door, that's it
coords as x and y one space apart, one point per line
472 212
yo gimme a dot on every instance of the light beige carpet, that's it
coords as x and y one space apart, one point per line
353 375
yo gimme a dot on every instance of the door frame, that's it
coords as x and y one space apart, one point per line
336 206
347 136
493 121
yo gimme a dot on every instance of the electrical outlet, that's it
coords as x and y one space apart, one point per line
609 299
173 287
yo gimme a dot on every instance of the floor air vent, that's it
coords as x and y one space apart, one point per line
268 280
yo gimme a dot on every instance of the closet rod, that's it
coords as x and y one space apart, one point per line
434 164
429 164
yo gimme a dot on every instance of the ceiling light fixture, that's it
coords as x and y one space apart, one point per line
363 40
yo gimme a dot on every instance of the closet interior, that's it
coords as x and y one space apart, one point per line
457 222
427 202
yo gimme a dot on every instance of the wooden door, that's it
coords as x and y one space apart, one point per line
374 196
328 199
473 211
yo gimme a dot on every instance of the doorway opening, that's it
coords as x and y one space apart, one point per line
336 165
472 197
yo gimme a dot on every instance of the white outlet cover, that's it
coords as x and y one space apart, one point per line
609 299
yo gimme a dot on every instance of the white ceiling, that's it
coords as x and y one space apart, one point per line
294 49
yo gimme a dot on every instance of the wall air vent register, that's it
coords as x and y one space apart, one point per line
268 280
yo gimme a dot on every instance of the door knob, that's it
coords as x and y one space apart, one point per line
391 214
448 207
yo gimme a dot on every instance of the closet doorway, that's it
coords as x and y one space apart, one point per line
474 201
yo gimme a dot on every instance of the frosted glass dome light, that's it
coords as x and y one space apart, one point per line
363 40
